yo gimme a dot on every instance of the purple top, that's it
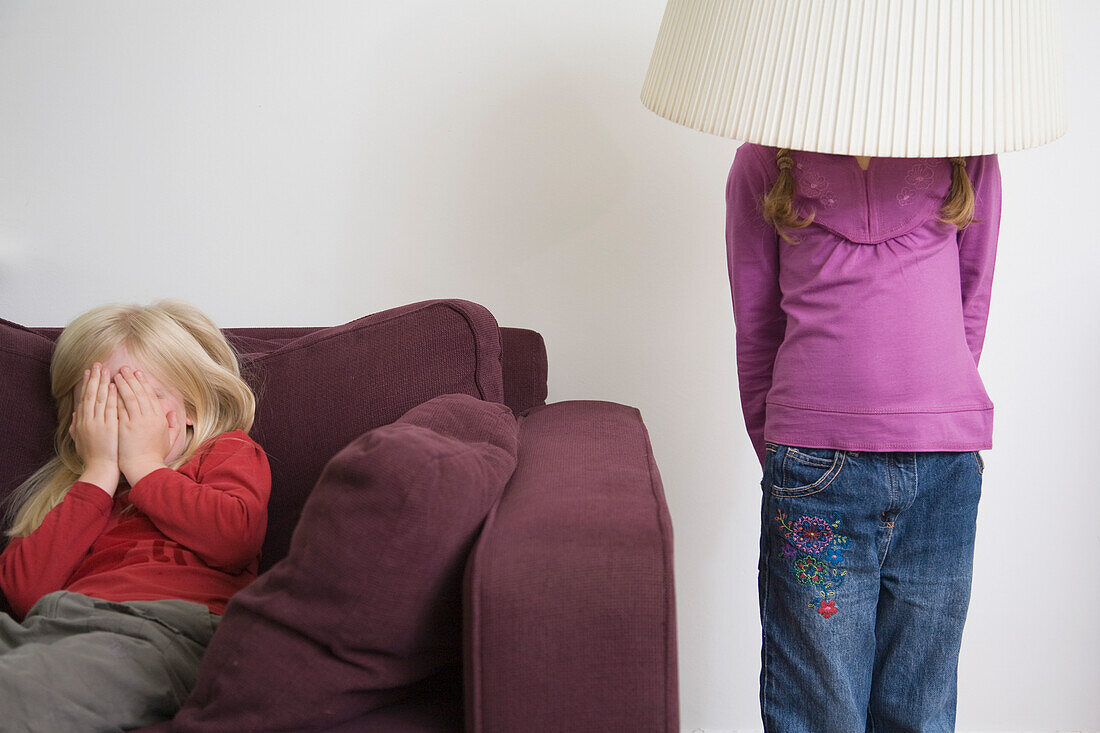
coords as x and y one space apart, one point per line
867 334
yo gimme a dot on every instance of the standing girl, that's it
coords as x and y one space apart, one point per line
860 294
127 545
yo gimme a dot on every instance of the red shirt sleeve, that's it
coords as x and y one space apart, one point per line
221 513
978 249
43 561
752 251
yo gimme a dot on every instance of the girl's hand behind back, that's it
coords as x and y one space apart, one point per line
145 432
94 429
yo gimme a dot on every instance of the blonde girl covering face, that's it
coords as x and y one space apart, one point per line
189 390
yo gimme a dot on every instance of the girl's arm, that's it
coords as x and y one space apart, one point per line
752 249
978 249
221 516
44 560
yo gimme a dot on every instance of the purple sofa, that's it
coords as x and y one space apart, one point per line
563 616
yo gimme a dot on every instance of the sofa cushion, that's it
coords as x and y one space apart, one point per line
368 601
318 391
27 411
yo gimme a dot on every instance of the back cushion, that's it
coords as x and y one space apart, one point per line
28 416
315 392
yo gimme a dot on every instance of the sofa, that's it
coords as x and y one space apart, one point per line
553 611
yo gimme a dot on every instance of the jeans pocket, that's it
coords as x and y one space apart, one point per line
804 471
981 462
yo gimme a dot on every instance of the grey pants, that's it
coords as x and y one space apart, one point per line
83 664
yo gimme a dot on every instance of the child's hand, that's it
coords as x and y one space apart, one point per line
94 429
145 433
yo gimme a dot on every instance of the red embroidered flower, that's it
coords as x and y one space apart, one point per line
827 608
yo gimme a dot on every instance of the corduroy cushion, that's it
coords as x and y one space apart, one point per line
368 600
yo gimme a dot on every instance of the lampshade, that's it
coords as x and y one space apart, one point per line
891 78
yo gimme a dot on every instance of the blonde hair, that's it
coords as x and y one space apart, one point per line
957 209
174 340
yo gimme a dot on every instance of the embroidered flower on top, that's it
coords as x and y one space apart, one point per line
813 185
920 176
821 556
907 196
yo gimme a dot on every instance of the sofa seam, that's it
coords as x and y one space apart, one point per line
477 352
476 710
666 558
447 303
284 350
17 352
476 691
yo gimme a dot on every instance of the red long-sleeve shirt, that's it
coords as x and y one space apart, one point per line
195 534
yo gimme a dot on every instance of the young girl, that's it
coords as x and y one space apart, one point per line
127 545
861 292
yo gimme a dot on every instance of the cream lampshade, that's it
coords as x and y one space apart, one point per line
890 78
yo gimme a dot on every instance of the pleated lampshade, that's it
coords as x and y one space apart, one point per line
889 78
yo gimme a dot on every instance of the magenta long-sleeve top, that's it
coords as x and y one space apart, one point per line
866 334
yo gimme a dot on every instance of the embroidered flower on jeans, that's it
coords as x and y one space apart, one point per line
920 176
811 534
907 196
810 571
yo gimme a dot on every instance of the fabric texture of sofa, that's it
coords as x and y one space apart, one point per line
542 597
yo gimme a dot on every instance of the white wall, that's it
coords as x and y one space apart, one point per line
290 163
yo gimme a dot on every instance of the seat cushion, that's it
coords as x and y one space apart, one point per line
316 392
368 601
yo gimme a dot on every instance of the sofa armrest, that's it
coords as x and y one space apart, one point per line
569 607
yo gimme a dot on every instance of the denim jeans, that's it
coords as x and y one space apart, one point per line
865 569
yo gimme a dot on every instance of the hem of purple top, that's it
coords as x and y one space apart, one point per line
965 430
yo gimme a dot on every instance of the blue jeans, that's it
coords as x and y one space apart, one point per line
865 568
